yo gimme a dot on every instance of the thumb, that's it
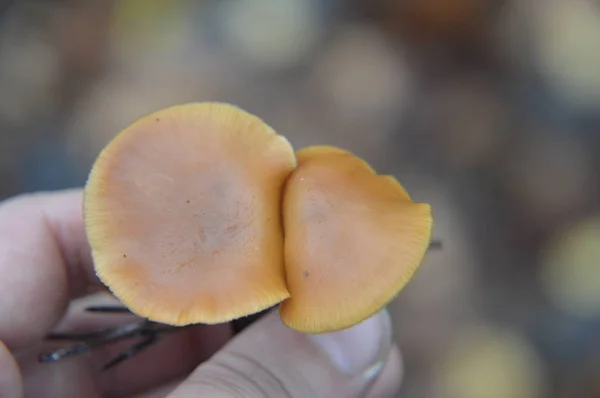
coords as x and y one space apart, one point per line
270 360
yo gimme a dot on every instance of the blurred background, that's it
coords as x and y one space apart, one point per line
487 109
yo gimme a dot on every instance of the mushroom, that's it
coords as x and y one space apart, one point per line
183 214
353 239
201 213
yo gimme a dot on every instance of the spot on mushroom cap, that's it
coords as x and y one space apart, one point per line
353 240
183 214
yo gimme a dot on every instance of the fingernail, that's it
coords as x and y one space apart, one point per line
362 348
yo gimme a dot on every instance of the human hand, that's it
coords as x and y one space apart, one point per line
46 273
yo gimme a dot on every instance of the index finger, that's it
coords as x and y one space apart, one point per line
44 261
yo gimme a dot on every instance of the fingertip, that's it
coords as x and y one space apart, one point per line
271 360
11 384
33 288
388 384
44 260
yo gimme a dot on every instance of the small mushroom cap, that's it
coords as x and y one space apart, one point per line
353 240
183 214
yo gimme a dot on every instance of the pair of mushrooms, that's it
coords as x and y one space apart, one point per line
202 213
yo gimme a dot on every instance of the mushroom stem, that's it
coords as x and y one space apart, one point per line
99 338
131 351
149 332
114 309
436 245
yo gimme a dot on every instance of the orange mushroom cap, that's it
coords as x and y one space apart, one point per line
183 214
353 239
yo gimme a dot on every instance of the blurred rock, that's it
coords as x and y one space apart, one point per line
566 38
270 35
434 21
570 268
141 27
46 166
363 76
511 37
469 129
80 33
29 76
550 175
492 362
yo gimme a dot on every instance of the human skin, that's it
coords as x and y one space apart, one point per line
46 275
